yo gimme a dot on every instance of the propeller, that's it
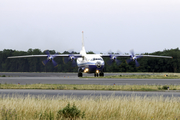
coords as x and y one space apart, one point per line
134 57
50 58
70 58
113 58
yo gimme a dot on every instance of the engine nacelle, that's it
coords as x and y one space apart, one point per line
50 58
113 57
72 57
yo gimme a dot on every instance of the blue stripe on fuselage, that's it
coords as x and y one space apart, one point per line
91 66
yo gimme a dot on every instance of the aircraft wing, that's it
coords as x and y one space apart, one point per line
155 56
57 55
117 55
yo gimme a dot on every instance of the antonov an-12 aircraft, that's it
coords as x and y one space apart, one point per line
89 63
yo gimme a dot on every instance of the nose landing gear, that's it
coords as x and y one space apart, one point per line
95 74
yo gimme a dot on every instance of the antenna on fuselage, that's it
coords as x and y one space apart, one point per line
83 51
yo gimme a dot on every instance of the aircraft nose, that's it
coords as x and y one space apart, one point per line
98 64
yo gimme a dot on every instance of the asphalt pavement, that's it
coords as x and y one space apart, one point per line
76 80
84 93
71 78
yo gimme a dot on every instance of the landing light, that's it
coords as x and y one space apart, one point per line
97 71
86 70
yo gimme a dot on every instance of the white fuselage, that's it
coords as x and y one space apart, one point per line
90 63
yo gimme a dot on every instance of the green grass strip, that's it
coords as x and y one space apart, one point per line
91 87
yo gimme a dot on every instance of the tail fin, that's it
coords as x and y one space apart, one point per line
83 51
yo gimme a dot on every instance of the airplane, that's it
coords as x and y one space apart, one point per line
89 63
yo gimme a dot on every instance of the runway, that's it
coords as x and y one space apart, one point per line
76 80
84 93
71 78
52 74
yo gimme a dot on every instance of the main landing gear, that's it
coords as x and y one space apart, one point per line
80 74
101 74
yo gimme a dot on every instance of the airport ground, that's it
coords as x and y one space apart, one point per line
71 78
97 104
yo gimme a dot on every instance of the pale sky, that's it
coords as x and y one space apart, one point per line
142 25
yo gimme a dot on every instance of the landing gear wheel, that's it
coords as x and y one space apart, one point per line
101 74
80 74
95 74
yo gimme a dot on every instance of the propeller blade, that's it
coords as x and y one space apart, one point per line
66 60
118 62
47 52
71 58
50 58
129 60
73 63
137 64
133 58
54 63
132 52
45 62
109 62
53 56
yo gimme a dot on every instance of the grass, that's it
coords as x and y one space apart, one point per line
3 76
99 108
91 87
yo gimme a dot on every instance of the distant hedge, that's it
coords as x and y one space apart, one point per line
35 64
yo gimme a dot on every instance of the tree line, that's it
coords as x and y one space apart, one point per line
35 64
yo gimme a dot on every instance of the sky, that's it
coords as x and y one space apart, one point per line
145 26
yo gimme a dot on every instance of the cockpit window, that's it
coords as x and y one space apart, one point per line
96 59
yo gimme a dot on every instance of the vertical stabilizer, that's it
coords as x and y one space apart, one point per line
83 51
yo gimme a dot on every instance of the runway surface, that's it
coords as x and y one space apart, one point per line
49 74
83 93
76 80
52 74
71 78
